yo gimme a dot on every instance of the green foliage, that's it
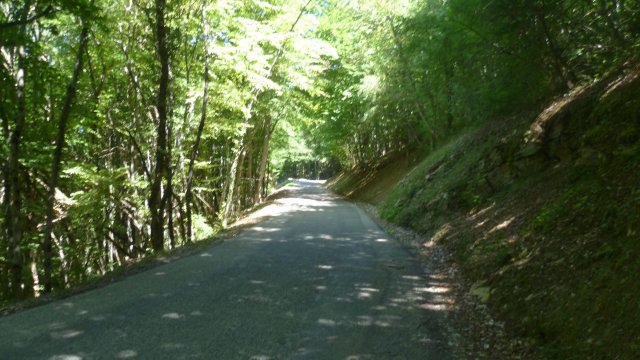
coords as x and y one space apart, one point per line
259 67
413 73
346 84
202 229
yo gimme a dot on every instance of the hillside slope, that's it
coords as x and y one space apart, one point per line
542 212
373 184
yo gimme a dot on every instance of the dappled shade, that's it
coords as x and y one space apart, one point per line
319 279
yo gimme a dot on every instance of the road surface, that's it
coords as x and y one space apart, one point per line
318 280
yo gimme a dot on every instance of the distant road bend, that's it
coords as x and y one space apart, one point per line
319 280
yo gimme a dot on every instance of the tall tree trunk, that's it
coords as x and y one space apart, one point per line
169 191
4 276
203 117
4 156
247 184
264 158
230 185
57 157
12 196
156 205
448 88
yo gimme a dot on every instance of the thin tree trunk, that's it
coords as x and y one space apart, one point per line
267 180
156 205
234 173
228 195
448 76
57 157
12 201
169 191
263 160
249 179
35 288
203 117
4 276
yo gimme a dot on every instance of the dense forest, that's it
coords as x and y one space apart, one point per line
132 127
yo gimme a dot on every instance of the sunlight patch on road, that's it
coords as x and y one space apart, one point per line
264 229
327 322
433 289
260 357
65 357
435 307
66 334
396 301
127 354
288 205
364 320
366 292
172 316
411 277
358 357
308 181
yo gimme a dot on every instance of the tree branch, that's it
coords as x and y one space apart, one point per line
47 11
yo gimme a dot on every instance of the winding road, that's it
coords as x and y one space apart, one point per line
317 280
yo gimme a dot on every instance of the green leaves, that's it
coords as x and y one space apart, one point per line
352 80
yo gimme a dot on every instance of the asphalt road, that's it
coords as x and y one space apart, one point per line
319 280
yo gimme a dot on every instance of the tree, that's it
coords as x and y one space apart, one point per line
157 200
57 156
12 197
162 118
